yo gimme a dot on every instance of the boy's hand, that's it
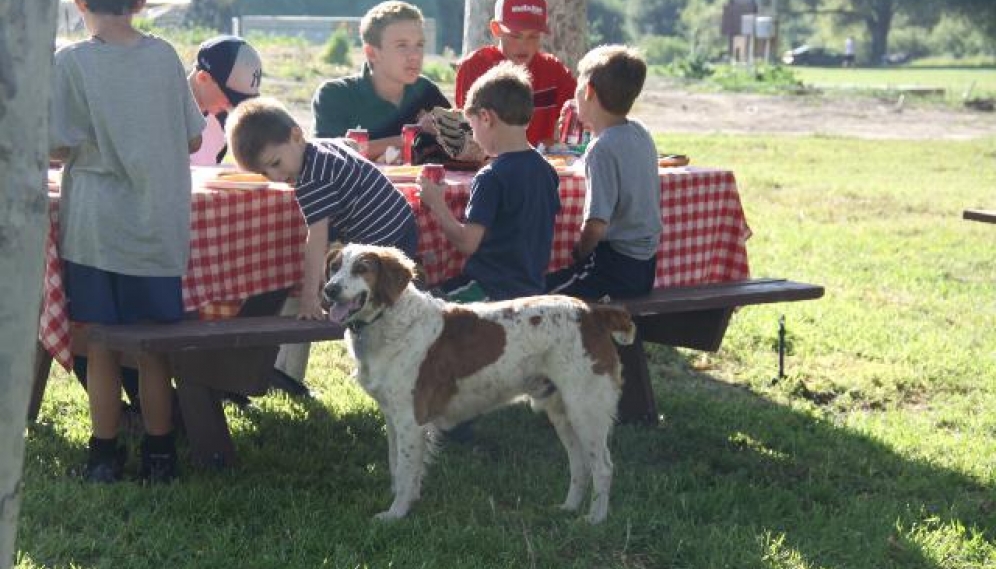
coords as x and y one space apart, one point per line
310 309
431 194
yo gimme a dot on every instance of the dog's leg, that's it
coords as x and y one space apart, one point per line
579 468
392 451
409 467
592 422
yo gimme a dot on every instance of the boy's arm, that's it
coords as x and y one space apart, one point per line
330 108
61 154
592 231
194 144
315 249
466 237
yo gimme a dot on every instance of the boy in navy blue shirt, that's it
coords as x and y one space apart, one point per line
508 231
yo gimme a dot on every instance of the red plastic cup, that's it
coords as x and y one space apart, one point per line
436 173
411 192
408 134
362 138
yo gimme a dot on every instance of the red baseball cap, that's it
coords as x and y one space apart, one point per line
521 15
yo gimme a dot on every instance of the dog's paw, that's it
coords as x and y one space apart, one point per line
387 516
569 507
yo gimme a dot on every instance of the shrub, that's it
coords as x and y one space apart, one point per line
663 50
336 50
439 71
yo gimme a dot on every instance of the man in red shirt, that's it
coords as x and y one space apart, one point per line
519 26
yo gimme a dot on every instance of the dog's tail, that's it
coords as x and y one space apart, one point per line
617 321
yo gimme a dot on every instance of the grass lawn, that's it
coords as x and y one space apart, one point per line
955 80
877 450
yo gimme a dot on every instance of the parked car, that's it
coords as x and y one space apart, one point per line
810 55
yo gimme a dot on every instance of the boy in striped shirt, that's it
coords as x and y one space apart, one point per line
336 188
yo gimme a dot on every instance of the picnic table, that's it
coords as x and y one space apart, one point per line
247 248
983 215
248 242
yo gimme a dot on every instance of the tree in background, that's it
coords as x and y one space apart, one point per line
214 14
27 34
654 17
607 22
568 38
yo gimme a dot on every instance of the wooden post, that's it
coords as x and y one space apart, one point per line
27 35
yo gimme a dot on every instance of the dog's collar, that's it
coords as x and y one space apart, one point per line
357 326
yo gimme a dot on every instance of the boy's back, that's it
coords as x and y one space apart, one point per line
128 113
516 198
622 164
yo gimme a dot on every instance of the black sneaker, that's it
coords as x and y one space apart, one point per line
158 467
105 469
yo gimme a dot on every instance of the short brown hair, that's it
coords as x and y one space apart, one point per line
616 73
254 125
384 14
113 7
506 90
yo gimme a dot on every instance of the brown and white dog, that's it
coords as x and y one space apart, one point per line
430 365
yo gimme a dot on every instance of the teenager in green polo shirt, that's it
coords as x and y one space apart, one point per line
390 91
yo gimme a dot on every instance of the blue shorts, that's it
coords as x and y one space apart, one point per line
102 297
604 272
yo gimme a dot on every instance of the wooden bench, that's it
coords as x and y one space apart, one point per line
983 215
690 317
237 354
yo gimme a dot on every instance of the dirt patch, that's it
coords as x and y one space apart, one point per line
666 108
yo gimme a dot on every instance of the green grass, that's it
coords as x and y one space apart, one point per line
877 450
955 80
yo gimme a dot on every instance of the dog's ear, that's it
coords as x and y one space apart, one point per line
333 262
394 274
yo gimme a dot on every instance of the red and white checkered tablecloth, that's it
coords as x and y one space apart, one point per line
249 242
242 243
704 238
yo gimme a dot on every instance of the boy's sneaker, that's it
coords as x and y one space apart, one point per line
105 469
158 467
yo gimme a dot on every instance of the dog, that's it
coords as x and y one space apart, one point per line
431 365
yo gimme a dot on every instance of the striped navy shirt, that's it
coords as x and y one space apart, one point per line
361 204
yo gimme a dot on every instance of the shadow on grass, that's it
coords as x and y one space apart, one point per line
729 479
788 485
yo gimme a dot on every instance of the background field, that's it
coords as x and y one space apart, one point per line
877 450
978 81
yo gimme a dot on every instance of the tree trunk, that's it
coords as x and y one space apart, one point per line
27 34
568 39
879 23
477 15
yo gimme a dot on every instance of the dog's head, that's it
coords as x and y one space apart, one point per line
361 281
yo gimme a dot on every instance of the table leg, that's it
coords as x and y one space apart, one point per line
637 404
43 364
207 429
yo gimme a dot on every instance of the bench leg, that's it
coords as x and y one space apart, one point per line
205 424
637 404
43 364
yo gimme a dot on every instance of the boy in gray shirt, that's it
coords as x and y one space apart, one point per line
125 122
616 253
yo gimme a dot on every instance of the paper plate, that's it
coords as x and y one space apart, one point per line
223 184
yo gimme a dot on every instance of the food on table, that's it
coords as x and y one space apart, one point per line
239 176
672 160
402 171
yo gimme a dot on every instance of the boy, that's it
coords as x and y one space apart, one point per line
332 183
228 71
519 26
124 213
389 92
616 254
508 233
